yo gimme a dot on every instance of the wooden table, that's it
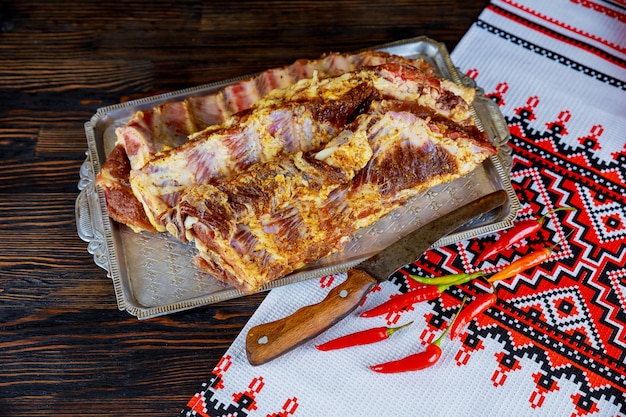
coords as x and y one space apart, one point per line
65 348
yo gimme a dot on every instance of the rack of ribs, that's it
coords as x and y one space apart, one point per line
302 117
280 215
279 171
168 125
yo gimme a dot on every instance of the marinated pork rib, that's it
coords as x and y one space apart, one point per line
123 206
250 228
281 124
280 215
302 117
168 125
280 177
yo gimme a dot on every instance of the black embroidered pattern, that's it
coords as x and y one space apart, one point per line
598 312
553 56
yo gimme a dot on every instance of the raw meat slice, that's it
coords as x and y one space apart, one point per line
122 204
277 217
168 125
151 131
255 225
302 117
282 124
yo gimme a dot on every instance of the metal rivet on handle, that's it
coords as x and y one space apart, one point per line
263 340
343 293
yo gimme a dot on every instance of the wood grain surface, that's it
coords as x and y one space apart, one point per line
65 348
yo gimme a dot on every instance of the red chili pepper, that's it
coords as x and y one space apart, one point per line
525 262
402 301
363 337
417 361
522 264
518 232
414 362
480 304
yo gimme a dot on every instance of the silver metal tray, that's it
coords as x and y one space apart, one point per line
153 274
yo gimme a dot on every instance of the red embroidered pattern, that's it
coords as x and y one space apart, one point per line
205 404
566 315
568 27
614 14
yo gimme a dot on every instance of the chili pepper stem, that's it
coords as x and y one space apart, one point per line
392 330
541 219
561 240
437 342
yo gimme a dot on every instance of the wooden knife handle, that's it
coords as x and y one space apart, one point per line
270 340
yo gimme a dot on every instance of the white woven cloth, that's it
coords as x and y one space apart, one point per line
564 61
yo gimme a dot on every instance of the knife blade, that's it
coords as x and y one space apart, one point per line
268 341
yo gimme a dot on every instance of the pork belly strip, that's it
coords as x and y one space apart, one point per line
168 125
302 117
257 217
248 233
276 127
122 204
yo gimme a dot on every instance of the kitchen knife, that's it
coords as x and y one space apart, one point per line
270 340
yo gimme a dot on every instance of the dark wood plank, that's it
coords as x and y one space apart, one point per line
59 75
40 176
92 362
45 45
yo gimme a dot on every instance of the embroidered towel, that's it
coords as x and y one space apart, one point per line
555 343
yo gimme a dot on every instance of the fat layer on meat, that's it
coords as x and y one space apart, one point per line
302 117
272 220
168 125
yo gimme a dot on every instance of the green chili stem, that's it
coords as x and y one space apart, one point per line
540 220
437 341
392 330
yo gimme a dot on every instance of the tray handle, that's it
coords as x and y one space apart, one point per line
89 223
